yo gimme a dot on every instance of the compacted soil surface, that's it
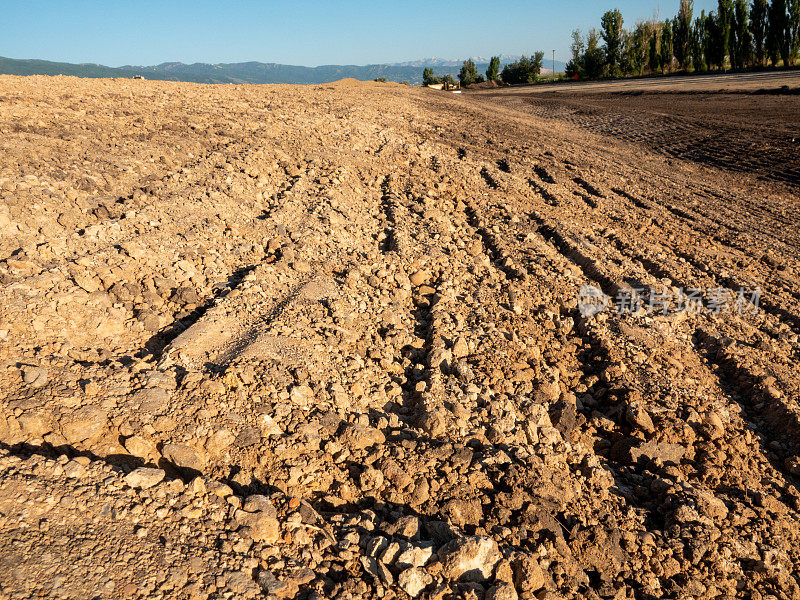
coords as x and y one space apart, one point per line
362 340
748 123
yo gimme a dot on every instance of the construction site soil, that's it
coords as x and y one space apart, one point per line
363 340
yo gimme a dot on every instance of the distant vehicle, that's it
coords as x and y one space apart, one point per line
446 86
138 77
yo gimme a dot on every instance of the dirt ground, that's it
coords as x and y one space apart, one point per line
748 123
363 340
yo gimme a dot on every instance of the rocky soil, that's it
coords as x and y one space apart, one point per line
326 342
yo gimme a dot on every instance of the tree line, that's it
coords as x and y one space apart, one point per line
524 70
739 35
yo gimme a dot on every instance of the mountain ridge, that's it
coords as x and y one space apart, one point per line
253 72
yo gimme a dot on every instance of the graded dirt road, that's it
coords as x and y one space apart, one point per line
345 341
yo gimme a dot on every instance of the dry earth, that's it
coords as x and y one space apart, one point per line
325 342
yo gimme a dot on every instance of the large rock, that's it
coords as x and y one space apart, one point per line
412 581
276 588
358 437
268 425
34 424
242 585
141 447
153 401
302 396
662 453
407 527
547 390
504 591
258 503
5 220
34 376
528 575
637 417
419 278
144 477
85 423
415 556
464 511
260 526
470 558
260 518
183 456
564 417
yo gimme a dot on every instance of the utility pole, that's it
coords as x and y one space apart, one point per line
554 65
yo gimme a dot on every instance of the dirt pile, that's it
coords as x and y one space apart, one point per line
485 85
333 342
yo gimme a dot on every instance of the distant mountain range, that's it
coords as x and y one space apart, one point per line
249 72
447 62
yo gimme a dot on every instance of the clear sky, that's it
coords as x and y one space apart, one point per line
303 32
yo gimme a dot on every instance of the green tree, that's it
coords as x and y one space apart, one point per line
628 64
638 47
666 46
594 58
523 70
679 51
698 43
625 67
725 25
578 48
572 70
468 73
517 71
654 55
794 27
779 33
715 48
537 60
758 29
681 34
428 78
742 42
611 24
493 72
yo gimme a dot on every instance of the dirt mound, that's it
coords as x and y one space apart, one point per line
348 82
484 85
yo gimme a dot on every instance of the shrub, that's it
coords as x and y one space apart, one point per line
525 70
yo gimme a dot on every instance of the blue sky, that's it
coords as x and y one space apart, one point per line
143 32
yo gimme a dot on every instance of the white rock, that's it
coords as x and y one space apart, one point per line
268 425
413 581
302 395
470 558
144 477
415 556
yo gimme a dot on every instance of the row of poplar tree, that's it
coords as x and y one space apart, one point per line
739 35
